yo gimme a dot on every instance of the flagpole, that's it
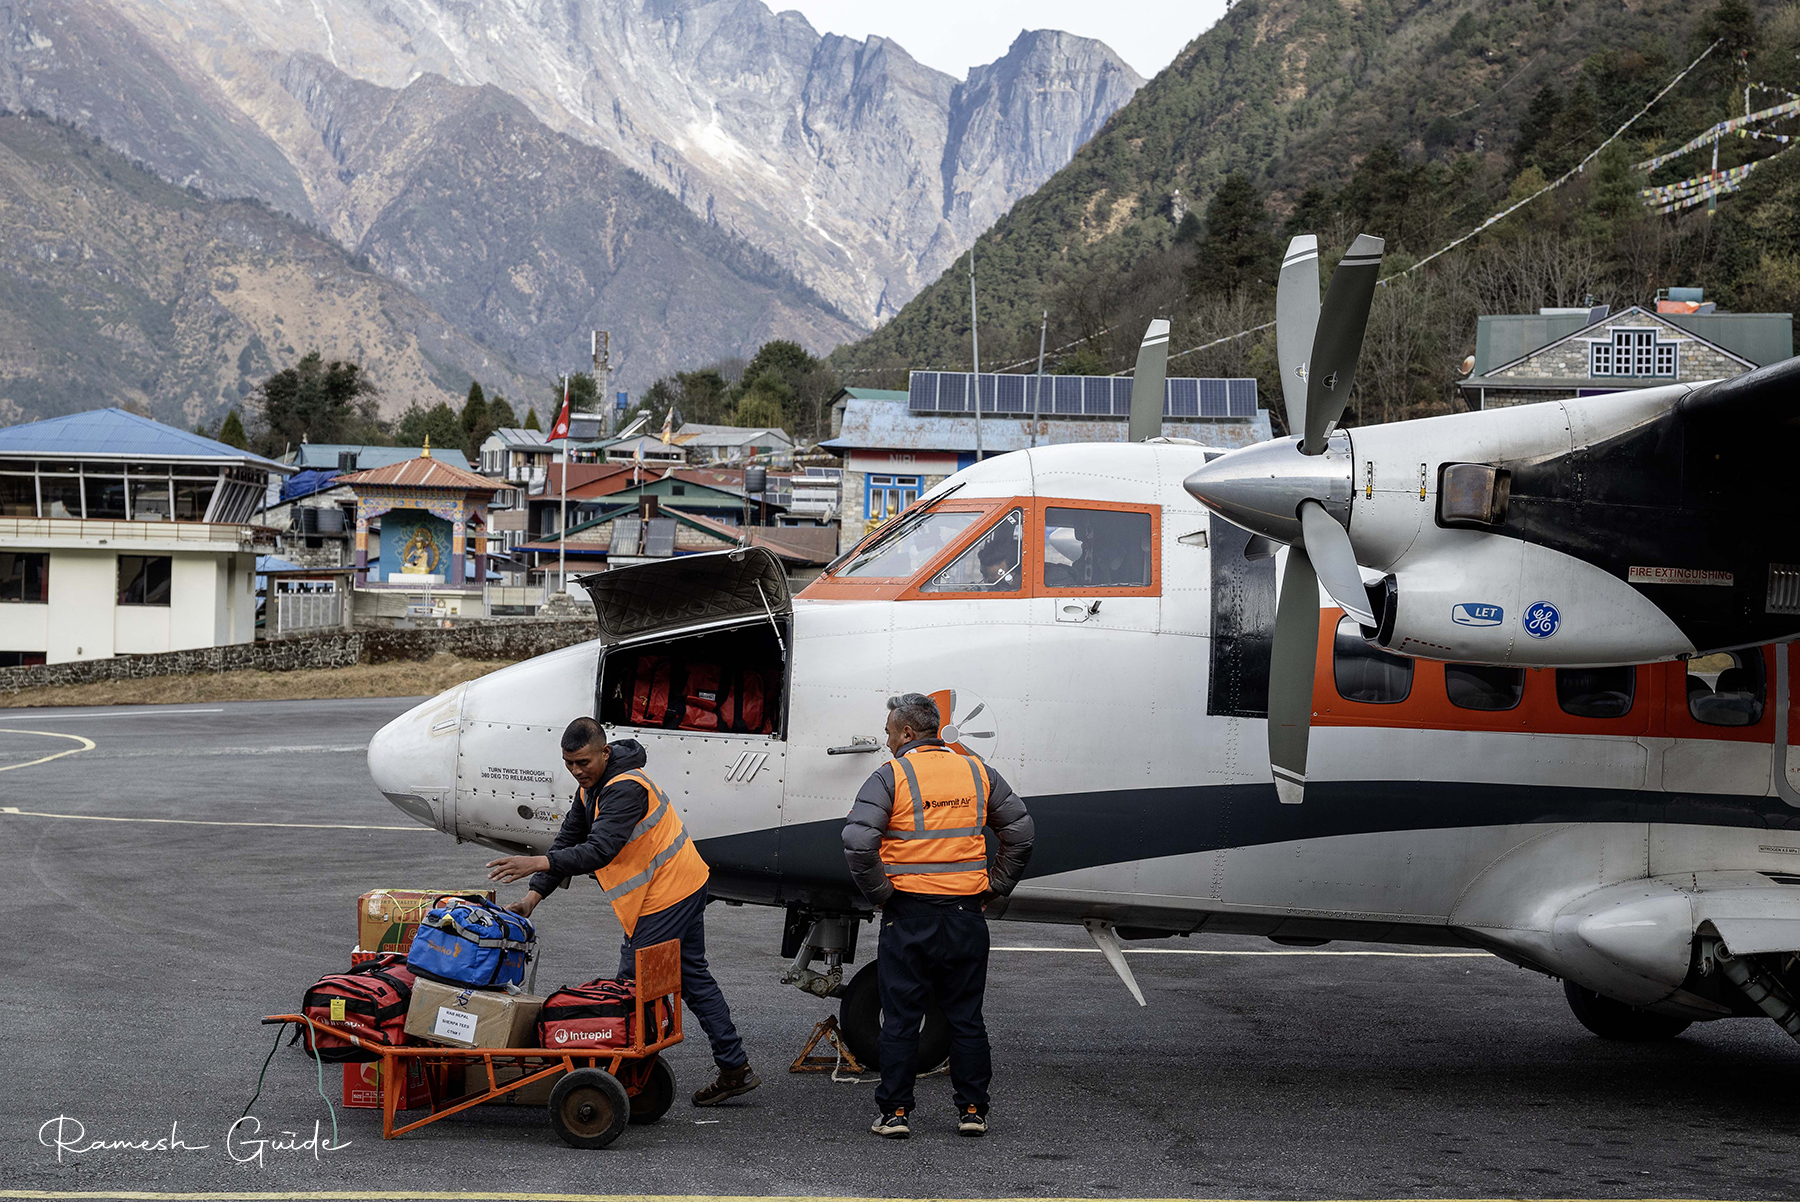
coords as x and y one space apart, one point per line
562 521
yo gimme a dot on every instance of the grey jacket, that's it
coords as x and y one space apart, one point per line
868 820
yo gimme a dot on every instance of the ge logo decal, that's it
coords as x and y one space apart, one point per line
1541 620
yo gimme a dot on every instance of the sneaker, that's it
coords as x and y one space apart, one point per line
891 1126
971 1122
731 1083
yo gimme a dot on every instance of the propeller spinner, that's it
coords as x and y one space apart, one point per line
1297 490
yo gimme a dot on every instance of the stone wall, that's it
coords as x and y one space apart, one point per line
512 640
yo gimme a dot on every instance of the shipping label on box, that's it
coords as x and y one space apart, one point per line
460 1017
387 919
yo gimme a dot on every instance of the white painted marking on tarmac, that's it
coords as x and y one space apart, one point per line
1210 951
86 745
186 752
16 812
127 714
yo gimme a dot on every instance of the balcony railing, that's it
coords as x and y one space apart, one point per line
104 532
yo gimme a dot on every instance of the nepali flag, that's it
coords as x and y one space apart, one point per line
561 427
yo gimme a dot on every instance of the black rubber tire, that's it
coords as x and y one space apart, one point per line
653 1101
859 1017
1615 1020
589 1108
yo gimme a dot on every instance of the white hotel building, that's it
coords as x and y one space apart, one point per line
122 536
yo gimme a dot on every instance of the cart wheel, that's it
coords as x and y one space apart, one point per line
589 1108
657 1095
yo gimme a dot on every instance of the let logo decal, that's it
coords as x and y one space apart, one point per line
1476 613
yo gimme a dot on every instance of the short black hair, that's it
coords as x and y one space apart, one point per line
582 734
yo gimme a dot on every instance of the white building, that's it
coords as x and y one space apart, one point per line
122 536
517 456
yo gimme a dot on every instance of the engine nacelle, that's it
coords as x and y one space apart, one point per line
1486 599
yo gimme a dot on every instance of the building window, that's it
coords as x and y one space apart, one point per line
1635 353
1727 688
888 496
18 496
1595 692
1096 548
1366 673
1480 687
24 576
144 579
21 659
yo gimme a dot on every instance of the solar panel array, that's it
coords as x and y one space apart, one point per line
1076 396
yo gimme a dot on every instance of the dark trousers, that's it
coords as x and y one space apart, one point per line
686 921
928 949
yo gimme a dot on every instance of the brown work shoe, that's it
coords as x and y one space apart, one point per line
731 1083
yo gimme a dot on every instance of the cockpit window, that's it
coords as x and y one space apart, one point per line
1096 548
912 546
992 565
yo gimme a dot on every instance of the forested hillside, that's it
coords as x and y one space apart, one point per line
1410 120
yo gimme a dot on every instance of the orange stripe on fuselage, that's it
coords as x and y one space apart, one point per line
1658 709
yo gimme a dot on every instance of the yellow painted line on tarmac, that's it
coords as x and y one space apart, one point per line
1208 951
86 745
16 812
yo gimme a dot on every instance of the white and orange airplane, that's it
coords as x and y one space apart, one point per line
1100 635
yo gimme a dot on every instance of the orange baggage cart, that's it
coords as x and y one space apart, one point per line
599 1091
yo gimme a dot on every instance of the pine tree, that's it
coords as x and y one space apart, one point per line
1535 126
531 420
475 427
500 414
1237 251
231 432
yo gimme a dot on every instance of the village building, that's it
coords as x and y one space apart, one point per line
421 547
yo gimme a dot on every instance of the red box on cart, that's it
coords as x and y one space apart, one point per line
362 1086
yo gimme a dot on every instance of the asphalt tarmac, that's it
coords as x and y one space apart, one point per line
139 956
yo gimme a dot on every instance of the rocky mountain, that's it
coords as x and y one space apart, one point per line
116 284
859 170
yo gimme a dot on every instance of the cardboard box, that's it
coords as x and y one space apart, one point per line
387 919
475 1081
461 1017
362 1086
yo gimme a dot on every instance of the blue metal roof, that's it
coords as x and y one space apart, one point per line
114 433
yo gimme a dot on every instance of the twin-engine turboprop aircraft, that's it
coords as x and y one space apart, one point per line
1105 641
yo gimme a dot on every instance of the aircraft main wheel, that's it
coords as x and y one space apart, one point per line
589 1108
859 1016
653 1101
1615 1020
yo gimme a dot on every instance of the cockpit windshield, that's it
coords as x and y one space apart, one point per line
913 544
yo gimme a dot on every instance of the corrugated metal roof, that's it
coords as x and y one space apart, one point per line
421 473
875 394
727 436
1762 338
325 455
517 438
887 424
1505 337
114 433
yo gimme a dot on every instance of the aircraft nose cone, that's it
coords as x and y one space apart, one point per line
1260 487
412 760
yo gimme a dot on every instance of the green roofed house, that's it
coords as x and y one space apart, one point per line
1555 354
120 535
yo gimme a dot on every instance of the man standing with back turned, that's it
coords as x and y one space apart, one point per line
621 828
915 846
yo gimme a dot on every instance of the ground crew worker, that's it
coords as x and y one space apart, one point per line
915 847
622 829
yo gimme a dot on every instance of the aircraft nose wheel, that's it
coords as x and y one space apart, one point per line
859 1017
1615 1020
589 1108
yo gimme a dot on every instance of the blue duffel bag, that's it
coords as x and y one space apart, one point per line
471 941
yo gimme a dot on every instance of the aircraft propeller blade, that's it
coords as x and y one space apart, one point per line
1334 560
1291 663
1147 382
1296 317
1337 344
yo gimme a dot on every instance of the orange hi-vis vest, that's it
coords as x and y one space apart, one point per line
657 867
933 842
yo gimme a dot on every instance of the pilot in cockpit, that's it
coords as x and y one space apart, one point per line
999 559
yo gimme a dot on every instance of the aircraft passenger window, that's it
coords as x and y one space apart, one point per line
1727 688
1479 687
1595 692
1365 673
912 546
1096 548
990 566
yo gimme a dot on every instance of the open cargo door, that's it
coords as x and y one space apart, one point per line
689 591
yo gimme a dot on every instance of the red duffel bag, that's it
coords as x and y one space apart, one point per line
368 1002
594 1015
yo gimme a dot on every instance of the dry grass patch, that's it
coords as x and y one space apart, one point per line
422 679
